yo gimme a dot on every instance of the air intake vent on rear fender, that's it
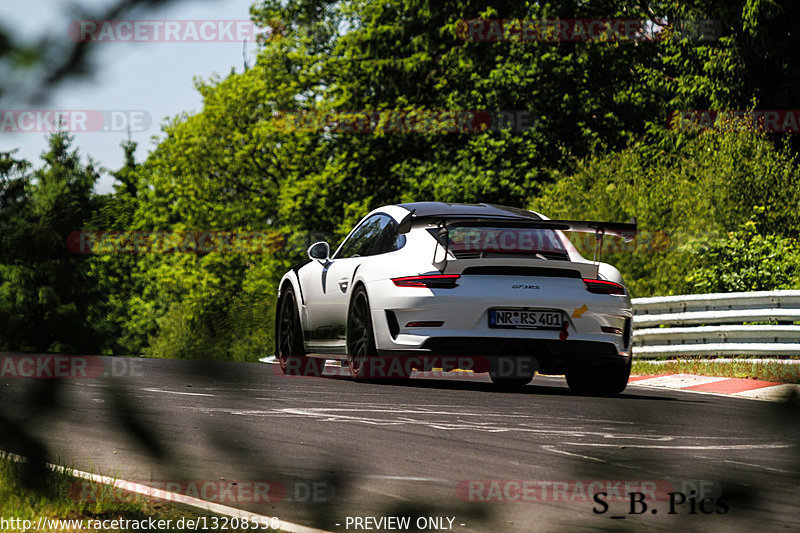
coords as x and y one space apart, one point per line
394 327
626 333
521 271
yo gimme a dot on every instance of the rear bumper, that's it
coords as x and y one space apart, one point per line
462 314
479 353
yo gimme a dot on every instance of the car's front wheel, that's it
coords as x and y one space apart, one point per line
605 379
289 346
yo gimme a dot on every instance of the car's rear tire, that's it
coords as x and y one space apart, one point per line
361 350
605 379
289 336
362 355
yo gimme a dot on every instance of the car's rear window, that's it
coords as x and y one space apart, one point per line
490 241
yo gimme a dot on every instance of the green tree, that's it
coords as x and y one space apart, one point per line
747 260
113 272
63 203
17 305
46 289
686 200
602 111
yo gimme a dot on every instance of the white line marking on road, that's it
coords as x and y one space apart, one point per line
326 415
550 448
384 493
760 467
181 393
330 415
407 478
562 452
660 447
171 497
677 381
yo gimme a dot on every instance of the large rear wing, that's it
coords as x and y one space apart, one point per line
623 230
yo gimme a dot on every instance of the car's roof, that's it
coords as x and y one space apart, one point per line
447 210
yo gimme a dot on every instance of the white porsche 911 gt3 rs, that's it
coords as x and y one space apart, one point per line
475 286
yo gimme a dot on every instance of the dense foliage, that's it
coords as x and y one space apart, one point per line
713 191
46 292
719 208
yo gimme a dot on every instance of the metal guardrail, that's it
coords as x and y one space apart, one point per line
714 324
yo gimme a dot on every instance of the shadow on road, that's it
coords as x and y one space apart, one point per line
196 420
482 384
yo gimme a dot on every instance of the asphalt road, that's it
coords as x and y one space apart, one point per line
451 447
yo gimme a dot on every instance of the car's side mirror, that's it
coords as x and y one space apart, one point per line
321 251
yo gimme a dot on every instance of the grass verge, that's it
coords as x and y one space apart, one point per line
33 495
741 368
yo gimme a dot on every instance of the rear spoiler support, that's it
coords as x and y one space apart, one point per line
598 244
442 232
600 230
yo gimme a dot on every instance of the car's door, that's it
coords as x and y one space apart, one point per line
330 287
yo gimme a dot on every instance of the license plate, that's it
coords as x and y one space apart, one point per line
525 319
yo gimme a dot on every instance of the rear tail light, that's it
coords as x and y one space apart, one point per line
436 281
599 286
